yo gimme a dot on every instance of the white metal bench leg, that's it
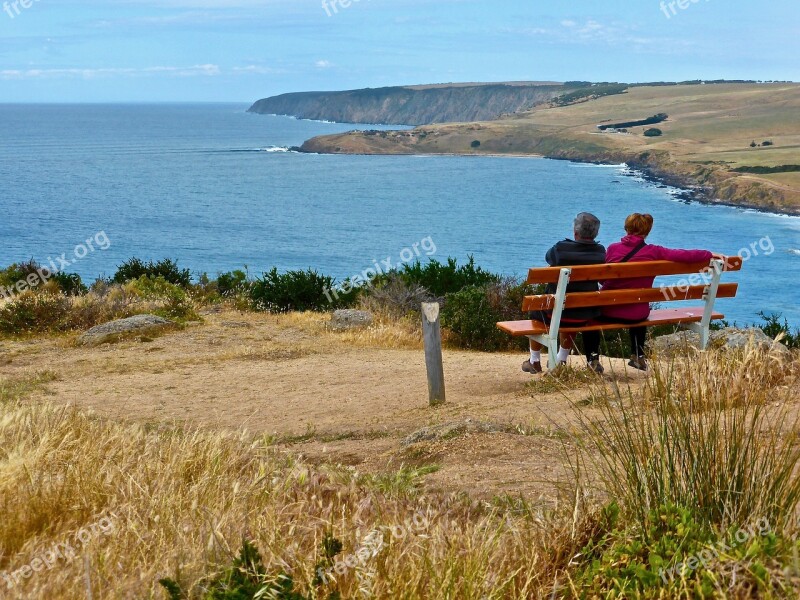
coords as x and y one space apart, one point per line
703 328
550 339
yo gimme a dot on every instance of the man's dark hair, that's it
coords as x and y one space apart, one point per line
586 226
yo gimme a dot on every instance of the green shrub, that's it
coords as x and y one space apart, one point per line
69 283
36 276
299 290
675 555
232 283
772 326
247 578
653 132
475 144
441 279
472 313
135 268
34 312
175 301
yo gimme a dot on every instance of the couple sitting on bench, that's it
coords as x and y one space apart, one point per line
584 250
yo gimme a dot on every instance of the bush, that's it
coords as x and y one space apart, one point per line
299 290
104 303
472 314
69 283
676 555
34 312
648 121
34 276
704 435
232 283
772 326
475 144
175 302
135 268
392 295
441 279
246 578
653 132
19 272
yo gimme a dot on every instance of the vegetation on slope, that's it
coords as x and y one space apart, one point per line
410 106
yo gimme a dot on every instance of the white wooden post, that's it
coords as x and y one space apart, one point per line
432 336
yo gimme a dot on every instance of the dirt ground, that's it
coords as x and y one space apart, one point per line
321 396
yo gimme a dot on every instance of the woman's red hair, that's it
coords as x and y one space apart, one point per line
639 224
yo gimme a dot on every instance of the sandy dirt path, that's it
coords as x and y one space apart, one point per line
322 397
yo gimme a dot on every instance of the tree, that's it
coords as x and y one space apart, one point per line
653 132
476 144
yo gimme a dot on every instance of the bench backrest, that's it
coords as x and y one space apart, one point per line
626 270
699 271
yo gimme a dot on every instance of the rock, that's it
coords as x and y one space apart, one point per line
343 320
450 430
114 330
729 338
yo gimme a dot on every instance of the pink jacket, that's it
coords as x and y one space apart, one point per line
616 252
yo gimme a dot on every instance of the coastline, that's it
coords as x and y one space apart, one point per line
689 191
711 133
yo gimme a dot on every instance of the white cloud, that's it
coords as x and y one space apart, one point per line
257 70
323 64
208 70
591 31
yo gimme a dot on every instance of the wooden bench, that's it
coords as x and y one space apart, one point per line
694 318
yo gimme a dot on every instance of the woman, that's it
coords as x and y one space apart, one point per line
634 248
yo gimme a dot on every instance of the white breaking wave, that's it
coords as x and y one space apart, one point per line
794 251
274 149
594 166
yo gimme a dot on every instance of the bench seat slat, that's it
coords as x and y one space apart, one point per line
625 270
627 296
666 316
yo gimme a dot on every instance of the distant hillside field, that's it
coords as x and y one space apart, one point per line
709 131
416 105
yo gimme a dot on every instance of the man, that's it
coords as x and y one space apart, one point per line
581 250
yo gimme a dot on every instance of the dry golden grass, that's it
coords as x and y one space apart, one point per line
181 502
385 332
748 375
157 501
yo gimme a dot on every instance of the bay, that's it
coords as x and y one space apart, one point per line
216 188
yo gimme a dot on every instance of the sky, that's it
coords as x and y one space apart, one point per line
243 50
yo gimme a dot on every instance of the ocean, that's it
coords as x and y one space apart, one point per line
217 189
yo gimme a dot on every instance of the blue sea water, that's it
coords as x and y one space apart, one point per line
215 188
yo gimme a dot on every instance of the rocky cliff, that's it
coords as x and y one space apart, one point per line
411 105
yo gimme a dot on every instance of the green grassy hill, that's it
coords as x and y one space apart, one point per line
709 131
